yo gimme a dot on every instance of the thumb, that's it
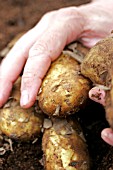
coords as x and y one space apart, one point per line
98 95
107 135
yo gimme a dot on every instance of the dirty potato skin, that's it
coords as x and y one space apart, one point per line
19 123
64 90
109 102
64 147
98 67
97 63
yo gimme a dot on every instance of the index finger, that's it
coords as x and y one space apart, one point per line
13 64
47 48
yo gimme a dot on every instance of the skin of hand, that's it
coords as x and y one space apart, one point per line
41 45
107 133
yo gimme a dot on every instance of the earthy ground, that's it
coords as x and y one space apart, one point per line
21 15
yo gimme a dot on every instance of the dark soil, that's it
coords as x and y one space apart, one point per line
18 16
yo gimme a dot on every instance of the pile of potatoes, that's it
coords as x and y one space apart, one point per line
64 92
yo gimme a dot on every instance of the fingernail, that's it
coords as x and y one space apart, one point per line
97 95
107 137
24 98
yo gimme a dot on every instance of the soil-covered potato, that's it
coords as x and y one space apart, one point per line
19 123
64 90
64 147
97 62
98 67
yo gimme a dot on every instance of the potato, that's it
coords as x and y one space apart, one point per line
98 61
19 123
64 90
109 103
98 67
64 146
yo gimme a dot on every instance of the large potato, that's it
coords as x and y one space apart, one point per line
64 90
19 123
98 67
64 147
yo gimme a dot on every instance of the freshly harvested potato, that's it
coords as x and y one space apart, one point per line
19 123
64 147
97 62
109 102
64 90
98 67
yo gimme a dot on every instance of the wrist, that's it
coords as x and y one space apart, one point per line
97 11
98 21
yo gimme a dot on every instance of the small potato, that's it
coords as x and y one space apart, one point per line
64 90
19 123
64 147
98 67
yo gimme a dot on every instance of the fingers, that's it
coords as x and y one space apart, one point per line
5 86
12 65
36 49
42 53
107 136
89 41
97 95
14 62
46 49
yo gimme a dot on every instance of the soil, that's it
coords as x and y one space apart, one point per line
21 15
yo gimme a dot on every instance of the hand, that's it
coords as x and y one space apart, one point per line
35 51
107 133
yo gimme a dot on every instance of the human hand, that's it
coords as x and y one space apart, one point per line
98 95
35 51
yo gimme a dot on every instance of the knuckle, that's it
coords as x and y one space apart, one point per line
27 75
39 48
50 15
27 79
